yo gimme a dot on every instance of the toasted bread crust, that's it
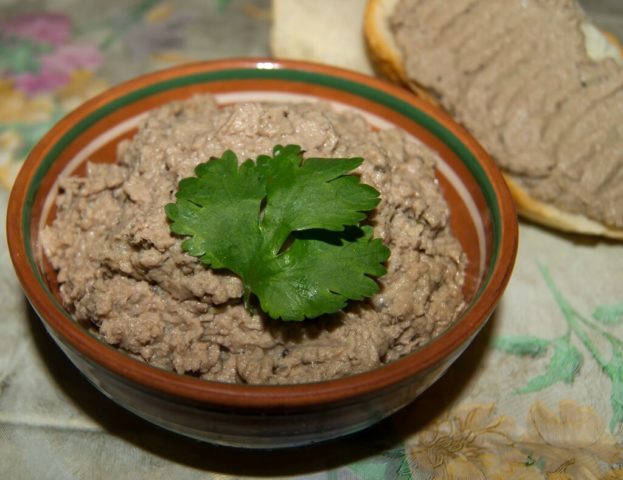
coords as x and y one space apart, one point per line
385 55
551 216
388 60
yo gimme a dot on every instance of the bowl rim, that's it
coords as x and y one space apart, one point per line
245 396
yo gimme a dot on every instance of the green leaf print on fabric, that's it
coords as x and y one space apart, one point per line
521 345
614 369
563 367
368 469
222 4
388 465
20 55
566 359
609 314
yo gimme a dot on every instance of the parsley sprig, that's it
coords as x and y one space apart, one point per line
289 227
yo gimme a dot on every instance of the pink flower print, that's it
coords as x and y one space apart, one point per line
57 67
49 28
42 81
71 57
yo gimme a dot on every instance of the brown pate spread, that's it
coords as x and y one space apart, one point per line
517 74
125 275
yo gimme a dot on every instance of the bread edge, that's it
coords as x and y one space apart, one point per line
381 46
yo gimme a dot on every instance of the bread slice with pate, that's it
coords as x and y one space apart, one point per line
585 149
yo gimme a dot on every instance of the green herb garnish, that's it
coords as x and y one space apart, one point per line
287 226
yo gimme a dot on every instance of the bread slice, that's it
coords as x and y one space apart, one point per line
388 60
325 31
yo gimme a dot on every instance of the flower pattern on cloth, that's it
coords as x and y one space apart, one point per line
471 442
40 56
475 441
567 359
48 65
571 443
44 73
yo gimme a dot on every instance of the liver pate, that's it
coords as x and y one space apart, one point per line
123 272
517 74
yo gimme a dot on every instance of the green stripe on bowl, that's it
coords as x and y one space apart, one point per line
377 96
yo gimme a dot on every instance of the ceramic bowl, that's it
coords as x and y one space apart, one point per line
482 217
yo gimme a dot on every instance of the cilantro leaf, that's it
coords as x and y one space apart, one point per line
320 272
287 226
315 193
218 209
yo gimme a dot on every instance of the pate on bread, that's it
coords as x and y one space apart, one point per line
387 50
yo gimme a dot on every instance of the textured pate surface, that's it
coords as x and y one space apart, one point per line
123 271
518 75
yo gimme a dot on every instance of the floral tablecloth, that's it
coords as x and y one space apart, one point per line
539 395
